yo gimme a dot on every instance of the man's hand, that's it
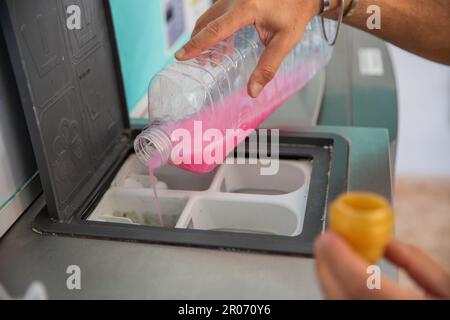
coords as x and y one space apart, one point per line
280 25
343 273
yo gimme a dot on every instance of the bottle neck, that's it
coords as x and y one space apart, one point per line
153 146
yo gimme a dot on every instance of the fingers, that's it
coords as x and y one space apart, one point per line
213 32
343 274
226 48
269 63
330 286
348 272
425 271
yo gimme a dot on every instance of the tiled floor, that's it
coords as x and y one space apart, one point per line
422 207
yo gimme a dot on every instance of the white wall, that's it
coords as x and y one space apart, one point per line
16 157
424 119
17 163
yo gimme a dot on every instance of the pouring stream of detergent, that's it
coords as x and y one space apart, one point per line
152 165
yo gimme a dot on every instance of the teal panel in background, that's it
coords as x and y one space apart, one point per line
143 49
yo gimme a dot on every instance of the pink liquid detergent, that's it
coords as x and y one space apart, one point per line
239 111
152 165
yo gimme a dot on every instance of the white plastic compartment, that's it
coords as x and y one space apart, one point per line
248 214
249 178
242 200
137 206
234 198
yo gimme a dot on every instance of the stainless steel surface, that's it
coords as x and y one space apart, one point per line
112 269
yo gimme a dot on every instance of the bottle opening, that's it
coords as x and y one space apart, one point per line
364 203
153 146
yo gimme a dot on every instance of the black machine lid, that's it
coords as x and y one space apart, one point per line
72 95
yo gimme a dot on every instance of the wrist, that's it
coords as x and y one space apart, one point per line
335 5
317 7
327 5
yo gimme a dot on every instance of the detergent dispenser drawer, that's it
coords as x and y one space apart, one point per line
277 205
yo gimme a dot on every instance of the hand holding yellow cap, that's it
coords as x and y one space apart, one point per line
365 221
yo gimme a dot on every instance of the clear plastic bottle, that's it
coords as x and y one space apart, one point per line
204 103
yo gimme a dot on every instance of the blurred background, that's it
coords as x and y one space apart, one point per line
422 186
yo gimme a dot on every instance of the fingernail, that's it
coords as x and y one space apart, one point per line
255 89
180 53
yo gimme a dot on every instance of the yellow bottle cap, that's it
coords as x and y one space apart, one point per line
365 221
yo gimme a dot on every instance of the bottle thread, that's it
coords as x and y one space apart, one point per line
153 144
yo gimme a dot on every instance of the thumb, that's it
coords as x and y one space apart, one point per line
432 277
